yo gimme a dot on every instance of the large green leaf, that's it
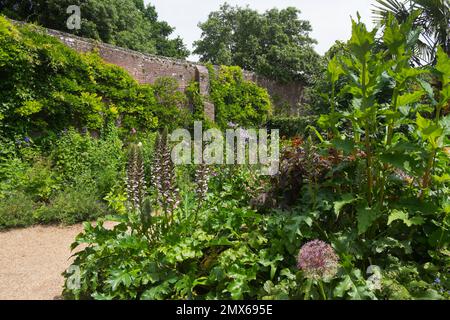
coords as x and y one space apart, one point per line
409 98
354 285
399 160
443 66
366 217
430 130
385 243
339 205
404 217
334 69
119 277
361 41
345 145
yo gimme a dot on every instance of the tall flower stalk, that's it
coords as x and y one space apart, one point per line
164 178
202 175
136 185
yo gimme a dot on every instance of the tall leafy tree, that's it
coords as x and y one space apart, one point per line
275 44
432 16
126 23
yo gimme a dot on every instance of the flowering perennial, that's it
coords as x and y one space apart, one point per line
318 260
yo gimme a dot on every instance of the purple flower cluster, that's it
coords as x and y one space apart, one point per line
202 176
163 176
318 260
136 185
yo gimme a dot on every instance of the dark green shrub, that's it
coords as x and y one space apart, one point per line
16 210
27 170
81 159
67 186
71 206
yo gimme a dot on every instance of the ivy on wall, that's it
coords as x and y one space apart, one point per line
47 87
236 99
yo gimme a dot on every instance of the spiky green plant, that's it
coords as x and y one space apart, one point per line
202 175
164 178
139 203
136 186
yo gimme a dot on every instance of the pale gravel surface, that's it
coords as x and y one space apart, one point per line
32 260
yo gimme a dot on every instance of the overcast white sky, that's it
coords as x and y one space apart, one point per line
330 19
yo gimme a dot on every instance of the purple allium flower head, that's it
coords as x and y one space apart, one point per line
318 260
27 139
437 280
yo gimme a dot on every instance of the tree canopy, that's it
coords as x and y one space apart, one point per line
125 23
276 43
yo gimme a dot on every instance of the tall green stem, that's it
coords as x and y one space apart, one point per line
367 136
322 291
388 142
390 131
426 181
308 289
333 110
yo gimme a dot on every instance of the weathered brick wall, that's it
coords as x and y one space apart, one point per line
144 68
147 68
286 96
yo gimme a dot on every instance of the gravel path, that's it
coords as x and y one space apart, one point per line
32 260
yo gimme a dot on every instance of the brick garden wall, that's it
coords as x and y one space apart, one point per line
147 68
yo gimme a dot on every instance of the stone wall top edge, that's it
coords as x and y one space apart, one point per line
110 46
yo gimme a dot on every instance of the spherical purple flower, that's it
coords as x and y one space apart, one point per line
318 260
27 139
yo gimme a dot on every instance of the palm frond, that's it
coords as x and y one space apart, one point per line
386 7
433 21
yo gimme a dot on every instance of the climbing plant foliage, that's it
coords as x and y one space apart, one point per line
236 99
47 87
